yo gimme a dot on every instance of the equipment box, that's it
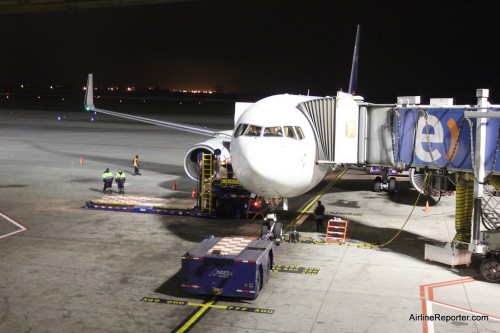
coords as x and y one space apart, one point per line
447 255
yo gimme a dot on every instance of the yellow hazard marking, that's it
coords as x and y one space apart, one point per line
295 269
207 305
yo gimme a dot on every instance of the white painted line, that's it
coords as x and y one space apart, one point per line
430 323
17 224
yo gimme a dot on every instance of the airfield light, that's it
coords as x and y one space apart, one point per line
58 117
87 108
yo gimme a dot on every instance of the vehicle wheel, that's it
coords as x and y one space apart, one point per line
278 231
392 185
258 281
490 270
376 185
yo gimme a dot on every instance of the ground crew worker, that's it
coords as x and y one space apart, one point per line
136 164
107 178
120 180
319 211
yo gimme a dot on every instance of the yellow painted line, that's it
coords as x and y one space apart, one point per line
208 306
302 216
203 308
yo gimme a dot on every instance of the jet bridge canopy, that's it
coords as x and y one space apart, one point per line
335 124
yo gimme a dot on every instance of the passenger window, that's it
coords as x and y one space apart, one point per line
240 130
289 132
253 130
273 131
300 134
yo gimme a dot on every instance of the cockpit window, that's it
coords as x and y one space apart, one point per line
273 131
300 134
240 130
253 130
289 132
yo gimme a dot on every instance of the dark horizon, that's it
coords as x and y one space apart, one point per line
427 48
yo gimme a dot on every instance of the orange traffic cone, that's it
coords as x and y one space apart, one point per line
427 209
81 160
174 186
193 194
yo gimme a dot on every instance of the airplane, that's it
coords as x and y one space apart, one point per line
279 146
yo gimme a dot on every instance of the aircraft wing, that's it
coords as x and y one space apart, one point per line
89 106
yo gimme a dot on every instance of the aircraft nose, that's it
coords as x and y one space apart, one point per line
261 169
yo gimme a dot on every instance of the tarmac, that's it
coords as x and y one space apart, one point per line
65 268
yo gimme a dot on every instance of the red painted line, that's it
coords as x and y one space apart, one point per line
430 289
466 310
430 292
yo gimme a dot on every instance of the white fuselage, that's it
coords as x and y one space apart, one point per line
273 149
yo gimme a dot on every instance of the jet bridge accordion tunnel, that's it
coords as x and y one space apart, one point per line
436 138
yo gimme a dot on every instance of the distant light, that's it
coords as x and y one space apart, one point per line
84 88
58 117
87 108
22 86
92 119
39 97
62 98
95 112
51 87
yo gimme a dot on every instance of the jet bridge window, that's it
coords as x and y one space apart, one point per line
273 131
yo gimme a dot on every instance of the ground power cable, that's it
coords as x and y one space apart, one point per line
376 245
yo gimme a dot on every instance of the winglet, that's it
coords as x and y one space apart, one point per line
354 69
89 94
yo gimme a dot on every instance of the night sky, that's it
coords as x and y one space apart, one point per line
428 48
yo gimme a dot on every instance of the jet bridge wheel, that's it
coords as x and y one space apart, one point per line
490 270
377 183
392 185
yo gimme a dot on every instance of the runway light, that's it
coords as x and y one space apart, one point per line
58 117
92 119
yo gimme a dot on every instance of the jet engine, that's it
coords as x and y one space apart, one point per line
438 182
191 165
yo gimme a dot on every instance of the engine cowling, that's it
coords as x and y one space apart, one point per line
191 165
439 181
